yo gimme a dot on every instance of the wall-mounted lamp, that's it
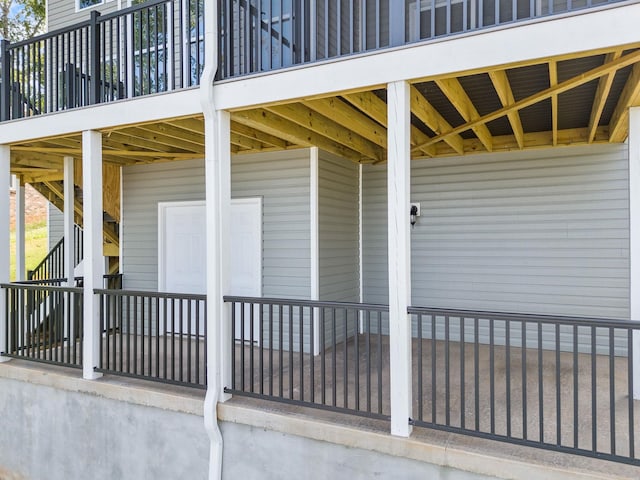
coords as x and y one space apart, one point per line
414 213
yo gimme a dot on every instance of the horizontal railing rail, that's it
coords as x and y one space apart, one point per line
552 382
44 323
154 336
328 355
153 47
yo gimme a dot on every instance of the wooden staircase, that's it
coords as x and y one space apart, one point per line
53 190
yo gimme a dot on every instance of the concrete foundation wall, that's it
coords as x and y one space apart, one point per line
256 453
53 434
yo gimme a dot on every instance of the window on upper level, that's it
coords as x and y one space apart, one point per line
83 4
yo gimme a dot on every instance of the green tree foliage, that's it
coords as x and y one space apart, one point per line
21 19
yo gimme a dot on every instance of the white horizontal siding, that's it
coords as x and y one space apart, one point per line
539 232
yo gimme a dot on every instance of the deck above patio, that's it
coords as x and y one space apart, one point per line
159 45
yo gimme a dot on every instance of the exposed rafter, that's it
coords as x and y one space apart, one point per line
427 114
553 81
564 86
619 124
602 93
370 104
350 118
273 124
456 94
253 134
503 89
321 125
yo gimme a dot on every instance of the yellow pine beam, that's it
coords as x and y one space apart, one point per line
370 104
273 124
308 118
422 109
565 86
503 89
619 124
454 91
600 98
350 118
553 81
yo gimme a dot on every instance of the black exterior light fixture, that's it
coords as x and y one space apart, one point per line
413 214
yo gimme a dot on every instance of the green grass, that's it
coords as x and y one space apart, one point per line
35 246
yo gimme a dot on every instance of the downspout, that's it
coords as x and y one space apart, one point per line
213 291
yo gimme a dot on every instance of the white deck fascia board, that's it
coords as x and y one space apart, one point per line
585 31
99 117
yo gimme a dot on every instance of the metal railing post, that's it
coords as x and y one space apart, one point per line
5 81
94 95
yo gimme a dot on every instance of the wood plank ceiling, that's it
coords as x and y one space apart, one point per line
575 99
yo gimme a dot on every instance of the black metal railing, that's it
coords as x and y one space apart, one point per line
329 355
44 323
52 265
155 336
259 35
155 46
559 383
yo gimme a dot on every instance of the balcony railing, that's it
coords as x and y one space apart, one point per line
158 46
259 35
156 336
44 322
558 383
328 355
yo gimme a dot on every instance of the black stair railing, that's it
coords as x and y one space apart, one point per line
52 266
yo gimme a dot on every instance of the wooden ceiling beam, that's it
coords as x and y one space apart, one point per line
422 109
254 134
600 98
503 89
244 142
351 118
564 86
321 125
176 134
454 91
194 125
119 140
273 124
152 135
370 104
553 81
619 124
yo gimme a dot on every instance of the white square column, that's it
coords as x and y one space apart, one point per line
634 239
69 220
398 198
93 259
5 254
218 208
20 231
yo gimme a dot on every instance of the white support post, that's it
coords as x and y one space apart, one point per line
218 207
93 258
20 229
634 239
398 198
69 239
69 221
5 254
314 220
